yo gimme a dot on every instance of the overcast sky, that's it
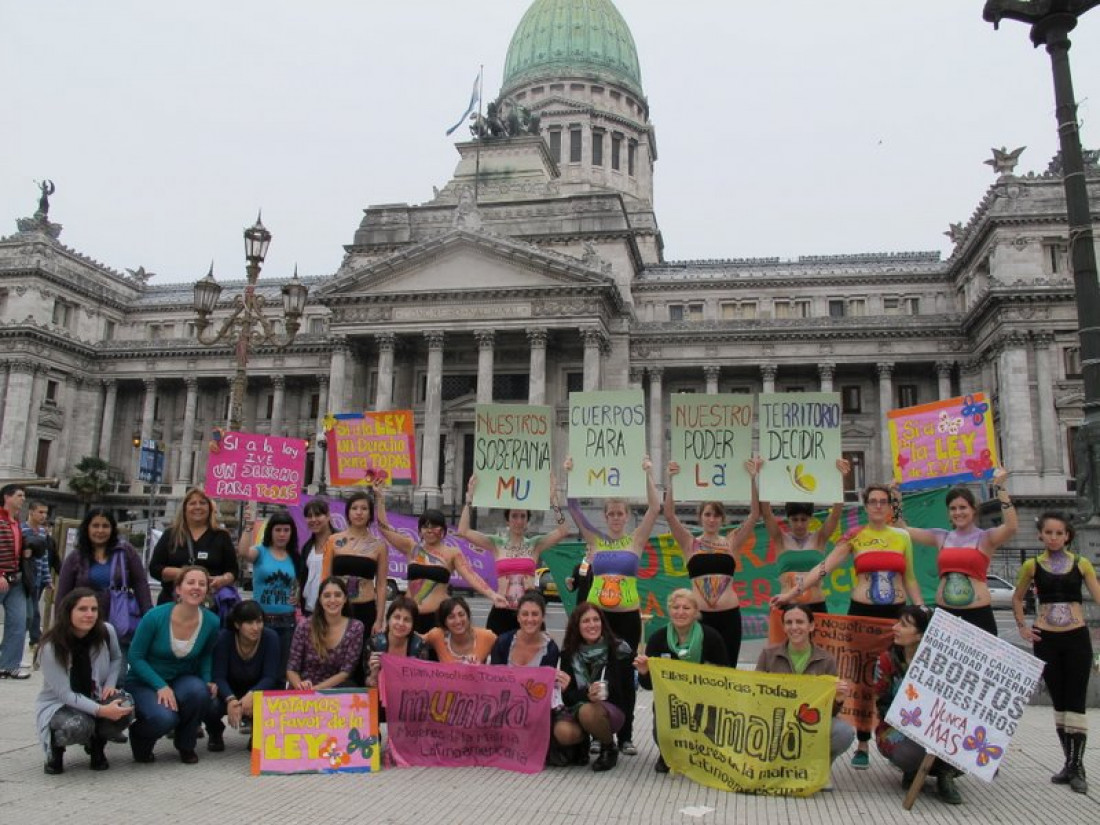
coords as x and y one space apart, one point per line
783 128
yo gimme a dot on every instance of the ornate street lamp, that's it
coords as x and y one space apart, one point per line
248 325
1051 22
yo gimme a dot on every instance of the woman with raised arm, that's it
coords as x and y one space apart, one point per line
79 703
362 560
319 522
431 564
882 556
712 559
275 562
516 554
613 561
964 551
195 538
329 646
1060 636
799 549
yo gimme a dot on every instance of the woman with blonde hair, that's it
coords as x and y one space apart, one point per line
195 538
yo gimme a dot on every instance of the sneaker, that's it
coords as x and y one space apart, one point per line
18 673
946 790
594 747
626 747
608 758
861 760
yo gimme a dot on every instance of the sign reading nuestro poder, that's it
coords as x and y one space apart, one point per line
371 448
711 439
512 456
964 694
800 445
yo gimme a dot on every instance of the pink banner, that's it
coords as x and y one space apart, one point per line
462 715
307 731
253 467
943 443
371 448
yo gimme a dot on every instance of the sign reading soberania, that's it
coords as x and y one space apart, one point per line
305 731
252 467
800 445
371 448
512 456
607 444
964 694
943 443
711 439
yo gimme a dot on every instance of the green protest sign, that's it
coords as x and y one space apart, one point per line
800 445
607 444
711 439
512 456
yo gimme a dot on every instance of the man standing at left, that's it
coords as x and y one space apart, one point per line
12 596
38 542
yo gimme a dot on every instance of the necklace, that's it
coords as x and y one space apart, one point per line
466 656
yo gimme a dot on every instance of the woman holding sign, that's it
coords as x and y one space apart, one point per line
882 556
431 565
712 559
965 551
516 554
1061 637
275 562
456 640
361 559
613 560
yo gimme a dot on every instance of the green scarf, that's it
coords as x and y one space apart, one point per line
799 658
589 663
693 650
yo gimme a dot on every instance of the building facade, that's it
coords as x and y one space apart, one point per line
538 270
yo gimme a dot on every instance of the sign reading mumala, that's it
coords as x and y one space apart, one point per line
607 444
455 715
964 694
253 467
371 448
800 445
512 456
943 443
307 731
711 439
738 730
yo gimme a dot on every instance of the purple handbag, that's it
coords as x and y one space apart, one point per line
125 612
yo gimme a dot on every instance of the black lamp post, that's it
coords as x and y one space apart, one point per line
1051 22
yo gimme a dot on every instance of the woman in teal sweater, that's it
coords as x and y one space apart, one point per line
171 663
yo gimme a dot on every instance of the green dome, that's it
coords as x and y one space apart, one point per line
573 38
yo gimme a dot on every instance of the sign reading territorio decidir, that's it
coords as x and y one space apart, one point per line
254 467
607 442
800 445
512 455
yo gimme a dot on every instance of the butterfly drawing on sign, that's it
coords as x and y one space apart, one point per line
985 752
359 702
948 424
910 717
980 464
336 757
975 411
912 693
216 443
903 459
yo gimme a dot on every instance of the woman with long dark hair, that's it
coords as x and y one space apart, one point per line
80 703
600 684
361 558
319 522
327 648
195 538
1060 636
275 562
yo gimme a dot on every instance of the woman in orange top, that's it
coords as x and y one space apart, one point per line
456 639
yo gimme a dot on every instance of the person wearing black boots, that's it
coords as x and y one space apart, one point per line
1061 637
79 703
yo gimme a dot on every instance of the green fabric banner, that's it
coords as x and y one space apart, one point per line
662 568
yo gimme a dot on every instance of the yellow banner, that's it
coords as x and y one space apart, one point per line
738 730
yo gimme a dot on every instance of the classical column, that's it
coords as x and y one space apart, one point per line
17 412
278 383
885 404
767 372
943 374
970 376
1014 400
38 392
148 407
187 441
433 407
1048 415
386 343
825 371
337 367
536 387
592 341
69 392
656 419
322 411
712 372
4 372
485 342
637 375
107 428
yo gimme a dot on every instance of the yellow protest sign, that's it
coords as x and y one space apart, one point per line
738 730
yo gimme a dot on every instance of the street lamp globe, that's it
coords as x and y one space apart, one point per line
256 241
207 293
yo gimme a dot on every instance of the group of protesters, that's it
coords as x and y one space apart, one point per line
320 619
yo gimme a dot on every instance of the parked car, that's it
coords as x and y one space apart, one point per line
546 584
1000 594
395 587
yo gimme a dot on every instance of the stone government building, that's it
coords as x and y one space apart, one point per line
541 275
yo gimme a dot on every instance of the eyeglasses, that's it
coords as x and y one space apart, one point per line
877 502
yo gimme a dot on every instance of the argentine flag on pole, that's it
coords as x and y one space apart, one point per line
475 100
